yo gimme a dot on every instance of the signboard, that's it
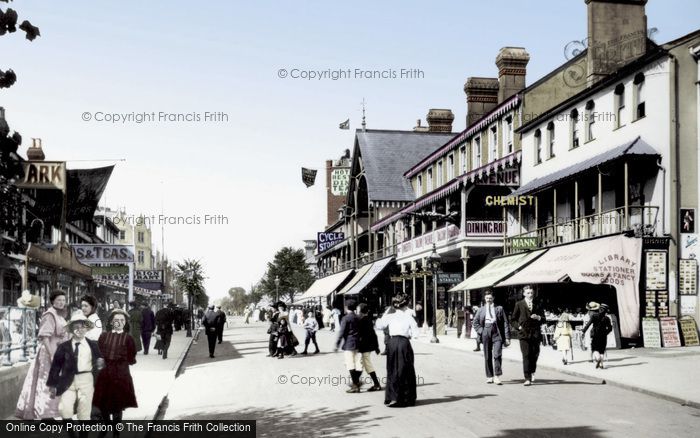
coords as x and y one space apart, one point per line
669 332
687 277
340 180
422 243
524 243
91 254
689 304
651 333
110 270
44 175
485 228
450 277
327 241
690 249
689 329
148 275
504 177
687 218
308 176
662 302
656 270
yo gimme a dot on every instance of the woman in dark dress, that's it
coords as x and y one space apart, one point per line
600 327
114 389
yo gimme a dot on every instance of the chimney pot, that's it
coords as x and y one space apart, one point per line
35 152
439 120
512 66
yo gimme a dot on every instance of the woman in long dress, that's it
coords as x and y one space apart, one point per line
35 400
400 369
114 388
88 305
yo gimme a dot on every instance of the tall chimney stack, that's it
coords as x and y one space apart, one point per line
440 120
482 97
617 35
512 66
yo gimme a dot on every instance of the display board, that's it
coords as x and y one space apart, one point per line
651 333
669 332
656 270
689 329
687 277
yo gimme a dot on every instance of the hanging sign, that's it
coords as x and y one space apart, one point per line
44 175
90 254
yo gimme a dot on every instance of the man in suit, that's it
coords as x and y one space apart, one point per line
148 325
210 321
74 368
349 335
528 316
164 324
220 323
492 327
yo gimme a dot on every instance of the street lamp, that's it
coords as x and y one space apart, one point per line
277 288
434 261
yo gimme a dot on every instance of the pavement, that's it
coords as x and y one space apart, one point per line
672 374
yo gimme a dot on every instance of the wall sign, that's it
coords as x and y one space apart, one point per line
44 175
450 277
687 218
669 332
328 240
148 275
340 180
656 270
689 329
504 177
485 228
651 333
91 254
688 277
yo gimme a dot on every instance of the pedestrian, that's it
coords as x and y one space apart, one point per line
211 328
74 368
35 402
335 315
327 318
114 388
290 341
220 323
116 304
88 305
528 317
177 318
319 317
148 325
246 313
400 368
473 334
282 337
135 318
368 343
274 335
311 327
348 335
164 325
600 328
562 336
493 329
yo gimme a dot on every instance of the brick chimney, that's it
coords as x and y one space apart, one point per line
482 97
512 66
440 120
617 35
35 152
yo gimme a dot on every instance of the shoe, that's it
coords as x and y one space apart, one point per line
527 383
280 357
497 381
353 389
489 380
532 378
219 342
211 356
374 388
477 349
396 405
316 352
386 402
383 353
564 361
304 353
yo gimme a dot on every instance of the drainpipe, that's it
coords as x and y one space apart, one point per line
663 196
675 142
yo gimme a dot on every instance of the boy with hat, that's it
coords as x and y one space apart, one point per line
73 369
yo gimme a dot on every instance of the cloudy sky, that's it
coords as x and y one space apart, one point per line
183 59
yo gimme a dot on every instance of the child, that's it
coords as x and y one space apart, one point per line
311 326
282 336
562 336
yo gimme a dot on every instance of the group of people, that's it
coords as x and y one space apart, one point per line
80 368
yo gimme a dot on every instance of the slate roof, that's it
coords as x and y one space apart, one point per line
637 147
387 155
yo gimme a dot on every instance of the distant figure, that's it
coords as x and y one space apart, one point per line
562 336
601 326
135 318
349 336
148 326
220 323
164 325
211 328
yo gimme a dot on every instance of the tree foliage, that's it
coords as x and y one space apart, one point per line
289 265
190 277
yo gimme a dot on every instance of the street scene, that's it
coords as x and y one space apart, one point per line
375 219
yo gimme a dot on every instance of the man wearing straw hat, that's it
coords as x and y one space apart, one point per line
74 366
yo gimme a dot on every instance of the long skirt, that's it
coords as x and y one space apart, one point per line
599 342
114 388
400 371
35 400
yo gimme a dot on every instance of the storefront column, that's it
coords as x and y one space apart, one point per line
425 301
555 219
627 207
465 294
413 278
576 227
600 203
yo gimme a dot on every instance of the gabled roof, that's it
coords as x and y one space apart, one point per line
386 155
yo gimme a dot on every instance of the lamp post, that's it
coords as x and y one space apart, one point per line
434 261
277 288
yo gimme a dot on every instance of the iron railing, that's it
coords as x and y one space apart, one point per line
18 334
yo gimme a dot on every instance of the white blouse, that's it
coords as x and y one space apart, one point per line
400 323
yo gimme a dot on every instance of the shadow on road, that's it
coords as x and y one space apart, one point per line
550 382
287 420
625 365
450 398
556 432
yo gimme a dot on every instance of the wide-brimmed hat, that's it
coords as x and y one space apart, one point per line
78 317
28 300
592 306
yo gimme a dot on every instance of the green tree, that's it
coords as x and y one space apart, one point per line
289 265
236 299
190 278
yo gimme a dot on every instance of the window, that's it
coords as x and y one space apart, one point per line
450 167
463 159
122 235
140 236
493 143
141 257
440 174
419 185
538 147
590 120
640 97
619 105
430 179
508 135
476 153
573 118
550 139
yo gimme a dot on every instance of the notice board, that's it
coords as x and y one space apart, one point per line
651 333
669 332
689 329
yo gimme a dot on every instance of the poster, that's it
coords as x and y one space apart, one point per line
687 218
689 304
689 329
651 333
669 332
690 249
687 277
656 270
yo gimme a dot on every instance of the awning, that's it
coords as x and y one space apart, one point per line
358 276
376 269
497 270
637 147
611 260
326 285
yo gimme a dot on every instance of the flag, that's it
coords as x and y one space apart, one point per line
308 176
345 124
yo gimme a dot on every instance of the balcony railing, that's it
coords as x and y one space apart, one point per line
642 220
18 330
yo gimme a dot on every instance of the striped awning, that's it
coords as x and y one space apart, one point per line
326 285
375 269
358 276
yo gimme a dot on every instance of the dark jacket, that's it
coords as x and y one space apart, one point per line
148 320
349 332
501 321
527 327
164 321
367 336
65 364
222 318
210 321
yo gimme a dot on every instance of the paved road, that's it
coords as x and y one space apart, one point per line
305 396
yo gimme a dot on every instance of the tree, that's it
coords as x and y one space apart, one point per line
289 265
236 299
190 277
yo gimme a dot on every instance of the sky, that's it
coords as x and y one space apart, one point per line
183 59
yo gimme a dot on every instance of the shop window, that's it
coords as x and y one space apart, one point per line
538 147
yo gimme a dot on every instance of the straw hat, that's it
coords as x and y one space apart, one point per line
28 300
78 317
592 306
